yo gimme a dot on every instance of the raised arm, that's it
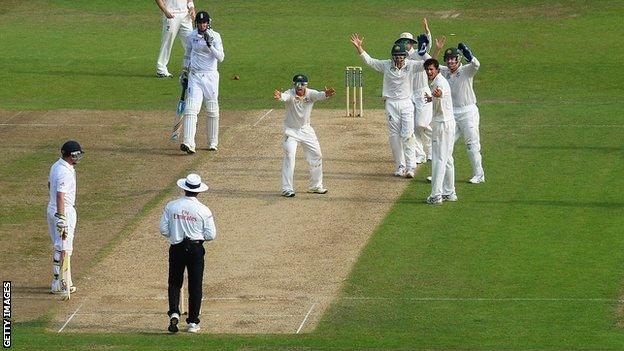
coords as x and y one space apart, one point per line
440 42
357 41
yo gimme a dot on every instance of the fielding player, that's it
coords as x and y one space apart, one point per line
177 19
398 76
465 108
61 212
299 101
187 223
442 137
204 51
420 86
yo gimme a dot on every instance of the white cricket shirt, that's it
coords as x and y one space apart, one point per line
397 83
461 82
442 106
200 57
62 179
298 109
187 217
421 82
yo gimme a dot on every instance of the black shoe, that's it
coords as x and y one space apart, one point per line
173 323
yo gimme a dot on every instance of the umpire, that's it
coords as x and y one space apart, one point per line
187 223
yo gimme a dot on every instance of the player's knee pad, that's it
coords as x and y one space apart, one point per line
192 106
409 139
212 109
56 263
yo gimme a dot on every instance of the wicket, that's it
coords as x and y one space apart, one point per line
354 79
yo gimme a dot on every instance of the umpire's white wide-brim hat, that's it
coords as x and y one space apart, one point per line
192 183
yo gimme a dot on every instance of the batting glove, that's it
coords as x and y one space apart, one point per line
465 51
61 225
423 42
208 39
184 77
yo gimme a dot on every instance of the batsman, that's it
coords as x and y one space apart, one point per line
62 216
204 51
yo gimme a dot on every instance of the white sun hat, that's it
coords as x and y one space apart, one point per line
406 35
192 183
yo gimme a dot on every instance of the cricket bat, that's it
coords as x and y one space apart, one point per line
65 284
179 118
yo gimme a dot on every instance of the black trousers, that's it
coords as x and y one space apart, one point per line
188 254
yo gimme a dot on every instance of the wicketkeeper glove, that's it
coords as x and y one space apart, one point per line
465 51
208 39
423 42
61 225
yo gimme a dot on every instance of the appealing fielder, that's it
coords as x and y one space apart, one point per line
465 108
297 130
204 51
177 20
62 215
187 223
420 86
398 75
442 137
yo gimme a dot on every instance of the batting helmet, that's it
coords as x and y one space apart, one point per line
72 149
202 17
300 79
451 52
399 49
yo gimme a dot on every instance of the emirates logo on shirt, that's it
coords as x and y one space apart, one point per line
184 216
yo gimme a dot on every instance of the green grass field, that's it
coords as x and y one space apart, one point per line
530 260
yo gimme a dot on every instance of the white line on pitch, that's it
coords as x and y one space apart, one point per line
15 115
52 125
264 115
70 318
305 318
511 299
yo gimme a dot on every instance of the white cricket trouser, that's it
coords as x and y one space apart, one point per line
423 112
442 168
58 243
181 25
400 115
202 85
312 149
467 120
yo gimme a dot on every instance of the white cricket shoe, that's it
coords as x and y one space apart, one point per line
213 147
318 190
193 328
409 173
477 179
288 193
400 171
164 75
429 178
174 319
189 150
434 200
450 197
59 291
